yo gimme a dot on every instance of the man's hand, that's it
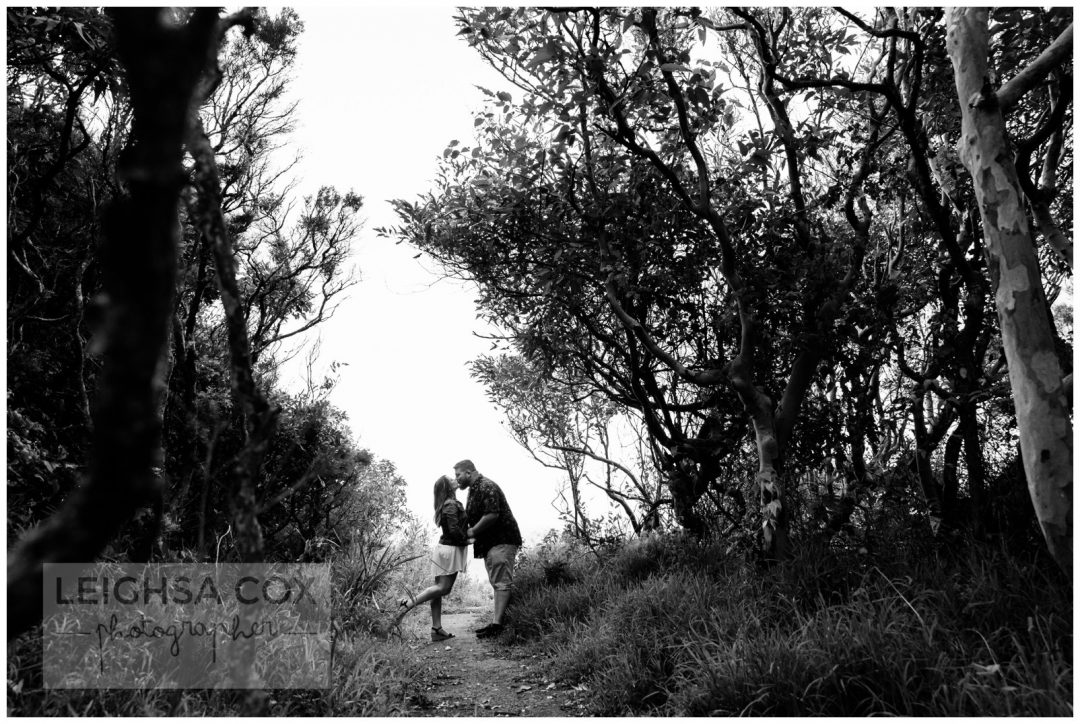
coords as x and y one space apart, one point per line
486 520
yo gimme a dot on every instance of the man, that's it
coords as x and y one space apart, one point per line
496 535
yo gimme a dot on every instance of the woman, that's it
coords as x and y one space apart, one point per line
447 560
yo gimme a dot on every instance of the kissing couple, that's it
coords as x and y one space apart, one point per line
487 524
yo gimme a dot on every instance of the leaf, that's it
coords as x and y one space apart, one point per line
546 53
100 86
79 29
504 96
673 67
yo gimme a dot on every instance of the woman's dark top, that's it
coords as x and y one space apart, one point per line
453 524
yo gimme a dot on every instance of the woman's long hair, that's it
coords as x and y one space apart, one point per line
443 492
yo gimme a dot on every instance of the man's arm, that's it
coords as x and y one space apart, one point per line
486 520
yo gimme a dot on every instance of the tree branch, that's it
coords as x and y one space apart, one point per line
1010 93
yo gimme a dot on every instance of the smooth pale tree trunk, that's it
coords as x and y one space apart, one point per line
1042 408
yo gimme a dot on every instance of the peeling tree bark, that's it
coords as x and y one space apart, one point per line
1042 409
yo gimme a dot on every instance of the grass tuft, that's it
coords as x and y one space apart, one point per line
668 626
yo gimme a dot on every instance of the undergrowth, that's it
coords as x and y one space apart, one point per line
371 677
672 627
371 674
668 626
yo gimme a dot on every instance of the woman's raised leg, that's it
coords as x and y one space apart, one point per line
443 585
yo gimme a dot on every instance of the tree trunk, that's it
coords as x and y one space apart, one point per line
185 434
924 448
973 459
950 485
148 536
581 523
258 417
760 409
1042 410
163 63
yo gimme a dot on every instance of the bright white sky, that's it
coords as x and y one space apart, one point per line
382 90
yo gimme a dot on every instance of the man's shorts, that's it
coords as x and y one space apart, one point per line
500 566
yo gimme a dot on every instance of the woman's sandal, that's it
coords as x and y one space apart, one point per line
438 634
402 609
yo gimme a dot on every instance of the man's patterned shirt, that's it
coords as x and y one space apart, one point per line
486 497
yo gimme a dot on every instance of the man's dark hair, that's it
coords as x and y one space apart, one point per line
466 465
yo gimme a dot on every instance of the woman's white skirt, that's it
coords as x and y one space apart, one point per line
449 559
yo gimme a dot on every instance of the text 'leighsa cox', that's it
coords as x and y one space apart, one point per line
186 626
182 589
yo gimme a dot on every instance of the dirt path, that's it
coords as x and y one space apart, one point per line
466 676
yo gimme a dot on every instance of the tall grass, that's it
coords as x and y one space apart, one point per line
671 627
668 626
372 669
370 678
371 674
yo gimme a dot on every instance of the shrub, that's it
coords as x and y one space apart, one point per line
370 678
670 626
359 576
631 647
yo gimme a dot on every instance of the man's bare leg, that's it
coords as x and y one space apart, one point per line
501 599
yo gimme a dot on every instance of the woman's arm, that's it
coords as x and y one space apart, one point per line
453 523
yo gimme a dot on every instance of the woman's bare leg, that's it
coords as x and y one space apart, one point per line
443 585
436 613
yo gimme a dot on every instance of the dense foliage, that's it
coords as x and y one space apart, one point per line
747 235
791 339
668 626
68 118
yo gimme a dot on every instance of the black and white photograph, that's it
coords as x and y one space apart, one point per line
412 360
